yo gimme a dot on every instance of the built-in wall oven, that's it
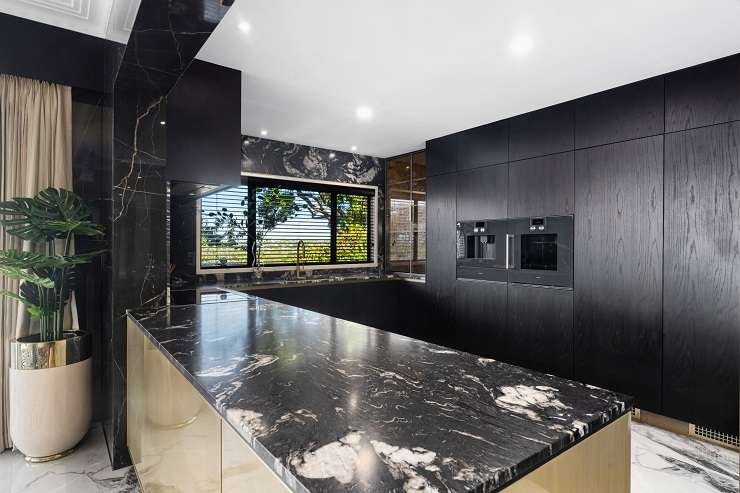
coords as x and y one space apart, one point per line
536 250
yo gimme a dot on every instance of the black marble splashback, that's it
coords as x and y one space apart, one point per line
165 38
332 405
282 159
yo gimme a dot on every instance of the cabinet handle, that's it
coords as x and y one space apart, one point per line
508 241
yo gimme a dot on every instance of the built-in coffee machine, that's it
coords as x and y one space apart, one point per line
537 250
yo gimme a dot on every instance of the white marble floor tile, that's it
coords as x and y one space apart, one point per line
85 471
664 462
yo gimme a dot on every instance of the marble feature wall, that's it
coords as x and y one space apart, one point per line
90 183
164 40
281 159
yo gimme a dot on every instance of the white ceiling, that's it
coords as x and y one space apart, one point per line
431 67
110 19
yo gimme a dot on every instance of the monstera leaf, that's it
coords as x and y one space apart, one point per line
47 278
52 214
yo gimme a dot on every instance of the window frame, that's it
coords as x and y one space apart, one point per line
317 185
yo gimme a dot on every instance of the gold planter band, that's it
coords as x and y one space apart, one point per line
29 353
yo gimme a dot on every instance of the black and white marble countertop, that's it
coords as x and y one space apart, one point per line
332 405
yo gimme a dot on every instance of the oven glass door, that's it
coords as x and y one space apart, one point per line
539 251
542 252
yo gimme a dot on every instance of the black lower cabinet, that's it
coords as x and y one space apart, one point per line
702 291
540 326
480 326
619 268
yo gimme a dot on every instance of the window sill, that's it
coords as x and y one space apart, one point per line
286 268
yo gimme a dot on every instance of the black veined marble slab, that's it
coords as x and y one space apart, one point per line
334 405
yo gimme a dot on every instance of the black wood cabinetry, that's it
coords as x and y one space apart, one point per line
480 326
441 250
702 276
441 154
618 268
703 95
483 146
540 329
542 132
204 126
625 113
482 193
541 186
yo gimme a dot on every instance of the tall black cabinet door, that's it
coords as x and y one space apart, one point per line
482 193
540 328
480 326
541 132
702 276
483 146
441 251
542 186
441 154
618 268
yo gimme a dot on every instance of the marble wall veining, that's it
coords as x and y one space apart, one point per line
281 159
165 38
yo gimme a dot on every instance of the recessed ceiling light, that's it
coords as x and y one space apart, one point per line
263 132
364 112
332 155
354 148
244 27
521 45
162 122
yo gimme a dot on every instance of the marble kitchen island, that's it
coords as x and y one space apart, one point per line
256 395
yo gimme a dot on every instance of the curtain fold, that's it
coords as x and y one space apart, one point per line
35 153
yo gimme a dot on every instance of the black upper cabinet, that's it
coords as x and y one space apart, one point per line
482 193
483 146
703 95
625 113
702 276
204 126
540 324
480 326
441 154
541 132
441 251
541 186
618 268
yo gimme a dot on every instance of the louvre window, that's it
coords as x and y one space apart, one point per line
263 221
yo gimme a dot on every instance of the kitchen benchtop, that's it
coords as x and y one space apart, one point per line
332 405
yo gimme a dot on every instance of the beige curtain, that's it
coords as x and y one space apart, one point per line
35 153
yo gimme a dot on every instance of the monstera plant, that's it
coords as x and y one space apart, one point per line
49 221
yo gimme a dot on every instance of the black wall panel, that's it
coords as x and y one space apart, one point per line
542 186
441 251
703 95
618 268
702 276
482 193
441 155
541 132
483 146
480 326
540 329
43 52
624 113
204 126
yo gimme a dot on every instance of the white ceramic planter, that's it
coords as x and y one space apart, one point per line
50 395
